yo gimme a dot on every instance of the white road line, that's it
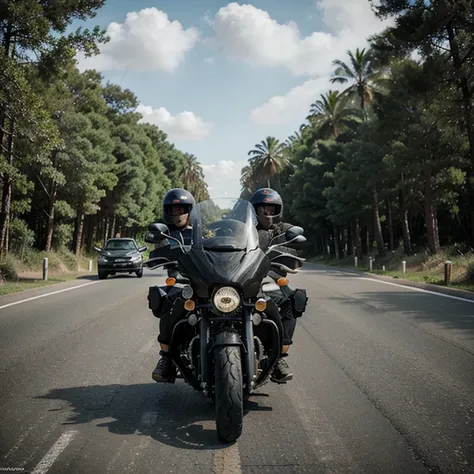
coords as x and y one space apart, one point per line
53 454
48 294
421 290
227 461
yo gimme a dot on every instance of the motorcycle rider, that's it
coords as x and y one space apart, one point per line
176 208
268 206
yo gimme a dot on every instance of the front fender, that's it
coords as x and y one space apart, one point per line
226 337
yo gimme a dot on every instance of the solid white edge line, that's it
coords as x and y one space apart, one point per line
48 294
43 466
421 290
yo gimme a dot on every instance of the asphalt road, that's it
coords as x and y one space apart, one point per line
383 382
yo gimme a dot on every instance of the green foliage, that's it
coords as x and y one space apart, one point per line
390 159
63 236
77 165
21 235
8 269
68 259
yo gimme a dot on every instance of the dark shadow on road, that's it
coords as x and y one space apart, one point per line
88 277
122 276
447 313
171 414
119 276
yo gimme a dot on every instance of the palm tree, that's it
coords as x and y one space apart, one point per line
365 77
193 171
331 114
247 182
292 139
246 178
268 159
193 178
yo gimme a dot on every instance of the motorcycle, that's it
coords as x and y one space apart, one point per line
230 338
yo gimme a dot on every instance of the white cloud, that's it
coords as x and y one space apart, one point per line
223 178
349 24
354 15
284 109
250 34
183 126
146 41
208 19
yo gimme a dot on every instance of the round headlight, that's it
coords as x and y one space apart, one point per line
226 299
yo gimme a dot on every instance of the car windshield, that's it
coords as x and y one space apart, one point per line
224 224
120 245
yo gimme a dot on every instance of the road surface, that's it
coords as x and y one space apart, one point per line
383 382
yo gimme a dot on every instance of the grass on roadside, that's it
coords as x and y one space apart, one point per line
24 272
420 267
10 288
29 283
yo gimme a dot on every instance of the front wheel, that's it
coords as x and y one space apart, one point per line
229 395
103 275
139 273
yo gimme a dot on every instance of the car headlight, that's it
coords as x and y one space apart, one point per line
136 258
102 259
226 299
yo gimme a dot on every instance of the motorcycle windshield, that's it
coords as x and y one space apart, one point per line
226 224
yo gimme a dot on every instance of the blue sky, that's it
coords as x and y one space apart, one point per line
219 77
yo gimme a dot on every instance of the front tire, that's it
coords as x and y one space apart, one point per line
229 394
139 273
103 275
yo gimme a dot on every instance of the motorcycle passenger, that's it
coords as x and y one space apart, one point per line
268 206
176 208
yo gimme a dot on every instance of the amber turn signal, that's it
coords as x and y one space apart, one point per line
282 281
189 305
171 281
261 305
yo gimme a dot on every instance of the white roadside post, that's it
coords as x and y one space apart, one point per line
370 263
45 268
404 266
355 261
90 265
448 267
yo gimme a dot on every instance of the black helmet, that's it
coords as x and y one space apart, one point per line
177 197
267 197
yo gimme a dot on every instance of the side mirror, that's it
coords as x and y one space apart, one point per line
299 239
143 249
98 249
295 244
156 233
293 233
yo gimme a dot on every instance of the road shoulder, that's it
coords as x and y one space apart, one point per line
399 281
31 293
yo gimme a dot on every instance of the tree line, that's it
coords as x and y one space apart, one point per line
76 164
389 160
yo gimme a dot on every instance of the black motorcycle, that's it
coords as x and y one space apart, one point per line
230 337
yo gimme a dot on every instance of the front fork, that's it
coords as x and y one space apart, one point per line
227 337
